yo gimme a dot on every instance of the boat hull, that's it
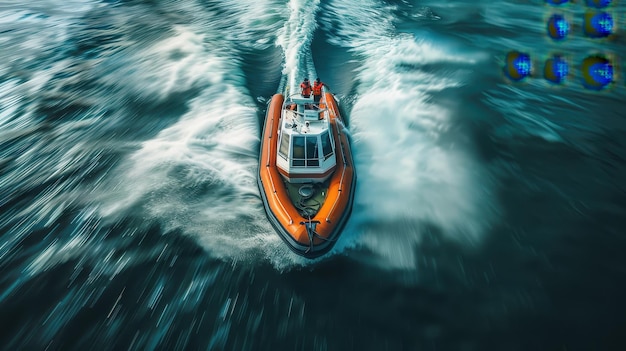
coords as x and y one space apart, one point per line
284 216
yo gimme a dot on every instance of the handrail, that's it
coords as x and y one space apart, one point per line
339 192
271 127
267 165
292 95
276 195
343 172
289 101
302 114
269 154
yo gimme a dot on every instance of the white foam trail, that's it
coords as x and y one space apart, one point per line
295 39
408 176
199 174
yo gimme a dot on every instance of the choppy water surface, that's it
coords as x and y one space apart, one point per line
488 215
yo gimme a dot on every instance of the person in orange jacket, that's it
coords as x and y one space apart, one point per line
317 90
305 88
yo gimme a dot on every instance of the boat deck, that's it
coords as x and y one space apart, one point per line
307 207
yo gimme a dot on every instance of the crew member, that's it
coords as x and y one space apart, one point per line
317 90
305 88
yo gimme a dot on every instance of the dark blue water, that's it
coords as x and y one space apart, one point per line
488 215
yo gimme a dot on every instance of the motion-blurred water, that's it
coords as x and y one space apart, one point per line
488 215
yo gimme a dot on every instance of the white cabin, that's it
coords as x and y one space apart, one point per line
306 151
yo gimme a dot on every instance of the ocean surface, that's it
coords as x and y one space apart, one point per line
489 215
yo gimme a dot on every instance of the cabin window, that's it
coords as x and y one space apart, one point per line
312 159
305 151
298 151
284 145
326 147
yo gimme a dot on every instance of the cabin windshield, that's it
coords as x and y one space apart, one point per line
298 151
327 148
305 150
312 159
284 145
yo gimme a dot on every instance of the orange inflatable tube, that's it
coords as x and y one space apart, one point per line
334 212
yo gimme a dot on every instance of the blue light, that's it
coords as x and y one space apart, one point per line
602 23
602 73
558 27
518 65
556 69
522 65
561 68
562 26
556 2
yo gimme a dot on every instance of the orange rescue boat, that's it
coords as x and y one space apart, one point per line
306 174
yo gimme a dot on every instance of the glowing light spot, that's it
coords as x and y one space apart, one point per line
562 69
597 72
518 65
558 27
598 25
603 23
603 73
522 64
556 69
